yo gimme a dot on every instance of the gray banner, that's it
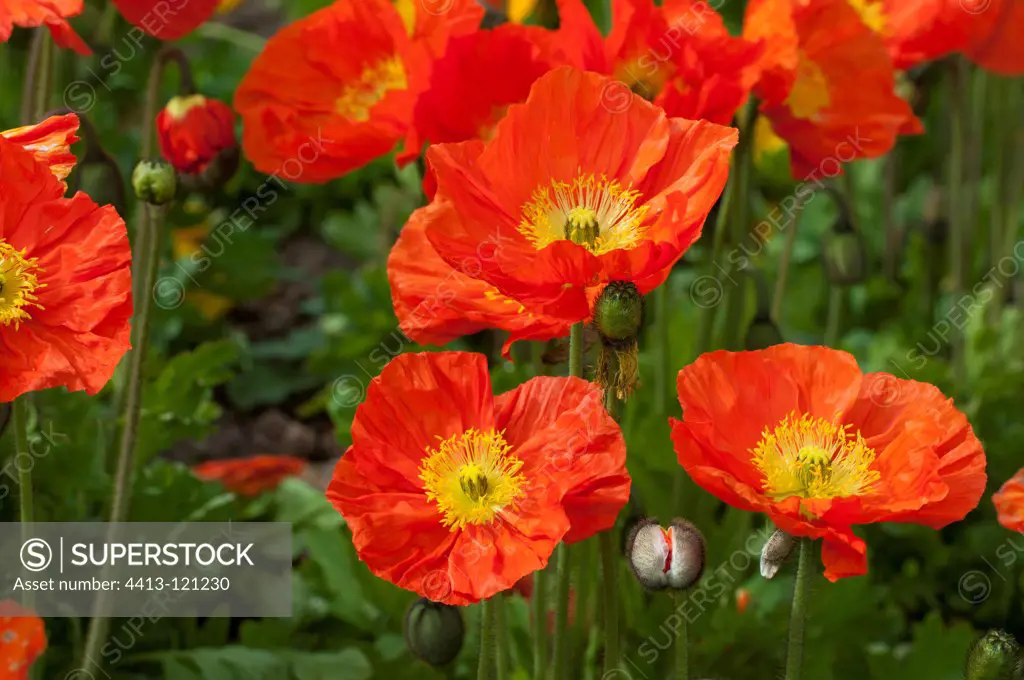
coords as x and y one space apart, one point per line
167 569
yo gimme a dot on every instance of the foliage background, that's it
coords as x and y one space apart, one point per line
266 339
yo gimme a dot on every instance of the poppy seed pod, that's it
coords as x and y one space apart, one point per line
776 551
995 656
666 558
844 255
434 631
154 182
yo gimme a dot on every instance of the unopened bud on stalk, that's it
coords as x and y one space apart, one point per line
776 551
762 333
666 558
844 255
154 182
618 315
996 656
434 631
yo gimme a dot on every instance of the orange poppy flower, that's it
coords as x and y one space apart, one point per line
51 13
570 194
1009 502
916 31
22 640
827 84
193 130
167 19
436 303
455 494
799 433
312 112
65 270
464 99
995 27
679 55
250 476
50 142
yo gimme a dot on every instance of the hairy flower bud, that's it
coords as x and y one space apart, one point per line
666 558
434 631
995 656
762 333
776 551
154 182
844 255
618 315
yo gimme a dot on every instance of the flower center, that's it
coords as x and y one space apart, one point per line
810 90
472 477
872 13
18 284
373 84
642 79
598 214
813 458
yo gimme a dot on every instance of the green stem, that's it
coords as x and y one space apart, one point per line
682 639
958 243
706 318
185 87
148 246
798 618
37 78
485 669
501 636
736 300
662 348
540 623
561 643
836 297
784 262
893 230
610 594
19 421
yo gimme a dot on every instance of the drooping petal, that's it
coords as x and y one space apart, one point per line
50 142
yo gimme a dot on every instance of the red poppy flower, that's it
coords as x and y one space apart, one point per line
250 476
432 23
800 434
464 99
65 298
50 142
455 494
313 112
570 194
436 303
679 55
193 130
828 83
22 640
51 13
167 19
1009 502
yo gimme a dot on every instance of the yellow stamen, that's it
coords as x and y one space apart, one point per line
598 214
810 90
179 106
813 458
18 284
872 13
472 477
372 86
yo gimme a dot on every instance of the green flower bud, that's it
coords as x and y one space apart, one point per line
666 558
776 551
996 656
762 333
618 312
434 631
844 255
154 182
